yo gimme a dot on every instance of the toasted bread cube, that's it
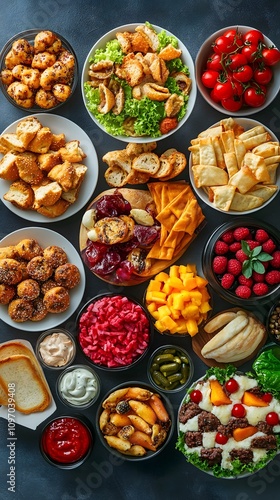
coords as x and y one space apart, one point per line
72 152
20 194
41 142
8 168
28 169
47 194
47 161
27 129
64 174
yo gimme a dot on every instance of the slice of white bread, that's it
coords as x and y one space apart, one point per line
11 354
31 393
146 162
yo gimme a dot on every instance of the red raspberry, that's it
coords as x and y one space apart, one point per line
275 262
241 233
234 267
269 246
252 244
227 280
245 281
261 235
243 291
257 277
219 264
220 248
234 247
273 277
227 237
241 256
260 289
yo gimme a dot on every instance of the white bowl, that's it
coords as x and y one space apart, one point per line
186 58
247 123
200 65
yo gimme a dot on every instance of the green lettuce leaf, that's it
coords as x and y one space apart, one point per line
267 370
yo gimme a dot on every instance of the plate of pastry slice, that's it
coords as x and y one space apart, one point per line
48 168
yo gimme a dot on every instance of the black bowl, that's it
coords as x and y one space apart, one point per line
215 280
137 358
149 454
29 35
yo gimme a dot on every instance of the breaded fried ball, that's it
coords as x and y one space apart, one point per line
39 269
57 299
28 289
20 310
10 272
47 285
7 293
55 256
28 248
39 310
67 275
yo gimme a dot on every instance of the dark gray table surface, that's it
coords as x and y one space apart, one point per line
168 476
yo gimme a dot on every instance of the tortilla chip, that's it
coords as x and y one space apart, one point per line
264 192
211 131
243 202
219 152
256 140
223 196
243 180
227 138
208 175
240 151
267 149
207 152
231 163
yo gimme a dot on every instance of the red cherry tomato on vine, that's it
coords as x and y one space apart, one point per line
243 73
272 418
235 37
263 75
233 103
214 62
253 37
271 56
250 52
214 97
222 45
221 438
209 78
238 410
232 385
254 96
196 396
223 90
236 60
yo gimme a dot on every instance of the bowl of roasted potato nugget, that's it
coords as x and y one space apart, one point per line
178 300
39 70
233 166
138 83
134 422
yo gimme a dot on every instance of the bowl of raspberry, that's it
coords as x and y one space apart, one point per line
114 331
241 262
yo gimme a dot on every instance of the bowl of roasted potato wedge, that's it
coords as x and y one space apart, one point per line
38 70
138 83
134 422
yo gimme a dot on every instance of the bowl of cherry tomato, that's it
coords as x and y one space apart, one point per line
238 70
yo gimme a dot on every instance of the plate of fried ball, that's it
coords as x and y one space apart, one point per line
42 279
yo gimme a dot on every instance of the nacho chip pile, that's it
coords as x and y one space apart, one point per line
179 215
236 168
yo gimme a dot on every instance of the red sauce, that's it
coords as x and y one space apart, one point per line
66 440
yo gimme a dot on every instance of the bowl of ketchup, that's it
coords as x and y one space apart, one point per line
66 442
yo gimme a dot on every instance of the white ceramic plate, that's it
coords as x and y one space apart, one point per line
200 65
58 125
47 237
186 58
247 123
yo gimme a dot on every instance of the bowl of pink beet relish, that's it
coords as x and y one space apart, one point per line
114 331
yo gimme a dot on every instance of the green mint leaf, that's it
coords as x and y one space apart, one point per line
258 267
256 251
245 247
264 257
247 268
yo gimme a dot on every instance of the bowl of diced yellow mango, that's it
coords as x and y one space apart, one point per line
178 300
